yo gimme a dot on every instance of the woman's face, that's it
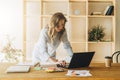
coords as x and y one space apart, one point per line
60 26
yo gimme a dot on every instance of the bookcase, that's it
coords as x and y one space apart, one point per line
78 13
106 47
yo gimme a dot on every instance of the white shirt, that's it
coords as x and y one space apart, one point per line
45 49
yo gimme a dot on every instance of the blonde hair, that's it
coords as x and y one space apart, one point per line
54 22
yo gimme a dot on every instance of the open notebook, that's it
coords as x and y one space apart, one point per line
18 69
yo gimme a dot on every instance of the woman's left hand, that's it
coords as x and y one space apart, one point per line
62 63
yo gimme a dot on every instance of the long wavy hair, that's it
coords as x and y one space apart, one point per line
54 22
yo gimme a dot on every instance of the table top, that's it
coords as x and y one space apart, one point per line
98 71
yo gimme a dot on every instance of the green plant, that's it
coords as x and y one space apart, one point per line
96 33
11 53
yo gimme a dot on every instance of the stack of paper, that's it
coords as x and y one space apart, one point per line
78 73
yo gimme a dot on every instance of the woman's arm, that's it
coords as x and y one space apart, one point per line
66 44
52 59
40 52
42 48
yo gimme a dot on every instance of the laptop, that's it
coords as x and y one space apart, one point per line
16 68
80 59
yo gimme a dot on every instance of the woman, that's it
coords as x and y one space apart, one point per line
50 38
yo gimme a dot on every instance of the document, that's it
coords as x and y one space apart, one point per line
78 73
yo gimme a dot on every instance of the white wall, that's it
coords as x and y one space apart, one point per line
11 21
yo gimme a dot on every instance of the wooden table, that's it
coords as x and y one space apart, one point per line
98 71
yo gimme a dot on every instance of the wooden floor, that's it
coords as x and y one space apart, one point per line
98 71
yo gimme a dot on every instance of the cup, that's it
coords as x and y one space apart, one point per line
108 61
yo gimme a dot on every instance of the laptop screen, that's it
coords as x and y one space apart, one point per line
81 59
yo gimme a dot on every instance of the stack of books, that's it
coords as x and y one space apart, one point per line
109 10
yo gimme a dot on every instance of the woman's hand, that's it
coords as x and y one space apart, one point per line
62 63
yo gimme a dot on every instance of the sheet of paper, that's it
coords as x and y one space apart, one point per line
78 73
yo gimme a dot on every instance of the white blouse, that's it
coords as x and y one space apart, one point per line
45 49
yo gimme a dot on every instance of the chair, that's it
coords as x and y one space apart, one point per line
117 53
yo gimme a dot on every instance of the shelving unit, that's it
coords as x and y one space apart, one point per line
107 47
31 28
78 13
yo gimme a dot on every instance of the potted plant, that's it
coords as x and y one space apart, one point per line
96 33
11 54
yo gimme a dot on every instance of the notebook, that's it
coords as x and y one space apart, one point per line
80 59
16 68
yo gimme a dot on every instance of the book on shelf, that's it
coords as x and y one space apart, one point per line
109 9
106 9
96 13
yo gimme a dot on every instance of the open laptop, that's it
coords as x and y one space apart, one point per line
80 59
